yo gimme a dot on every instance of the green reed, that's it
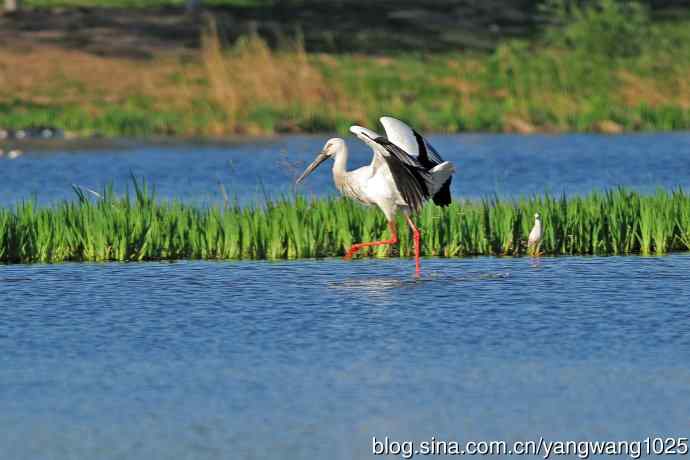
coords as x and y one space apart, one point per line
139 227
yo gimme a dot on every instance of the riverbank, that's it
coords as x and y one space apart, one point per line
248 87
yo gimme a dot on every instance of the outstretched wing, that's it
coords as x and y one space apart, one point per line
410 141
427 152
418 147
410 177
399 133
367 136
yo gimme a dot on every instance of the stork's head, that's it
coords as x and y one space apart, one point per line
333 146
330 149
537 216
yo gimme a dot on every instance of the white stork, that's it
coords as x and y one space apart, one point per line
405 172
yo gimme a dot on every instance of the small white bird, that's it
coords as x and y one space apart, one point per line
16 153
534 240
405 172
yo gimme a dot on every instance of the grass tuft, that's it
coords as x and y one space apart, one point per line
139 227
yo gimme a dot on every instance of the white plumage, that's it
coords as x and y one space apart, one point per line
378 183
534 239
405 171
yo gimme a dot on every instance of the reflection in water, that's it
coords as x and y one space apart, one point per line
437 279
535 262
374 284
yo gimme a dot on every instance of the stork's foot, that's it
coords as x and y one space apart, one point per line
353 250
359 246
535 251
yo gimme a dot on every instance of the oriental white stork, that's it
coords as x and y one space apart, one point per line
405 172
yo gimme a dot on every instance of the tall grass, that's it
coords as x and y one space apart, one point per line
141 228
251 83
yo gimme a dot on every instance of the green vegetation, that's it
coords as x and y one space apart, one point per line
604 67
141 228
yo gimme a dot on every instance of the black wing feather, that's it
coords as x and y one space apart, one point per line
410 176
429 157
442 197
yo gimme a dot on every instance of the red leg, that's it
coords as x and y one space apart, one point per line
417 245
358 246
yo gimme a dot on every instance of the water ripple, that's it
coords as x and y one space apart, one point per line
178 360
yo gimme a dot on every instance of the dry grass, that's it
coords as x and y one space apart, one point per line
46 73
250 74
228 82
636 89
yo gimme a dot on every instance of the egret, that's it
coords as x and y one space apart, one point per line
534 240
404 173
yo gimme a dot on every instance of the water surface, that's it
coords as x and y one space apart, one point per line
310 359
487 164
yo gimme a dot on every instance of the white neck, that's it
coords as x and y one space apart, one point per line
340 164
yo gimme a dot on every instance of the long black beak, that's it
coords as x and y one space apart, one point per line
320 158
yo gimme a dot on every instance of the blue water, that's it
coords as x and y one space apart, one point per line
507 165
311 359
305 360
